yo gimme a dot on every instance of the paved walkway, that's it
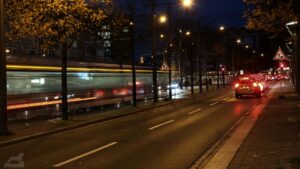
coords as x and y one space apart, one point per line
274 142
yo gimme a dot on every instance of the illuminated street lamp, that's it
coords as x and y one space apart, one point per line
162 36
187 3
238 41
188 33
163 19
247 47
221 28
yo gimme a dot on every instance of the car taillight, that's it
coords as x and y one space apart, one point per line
236 85
254 84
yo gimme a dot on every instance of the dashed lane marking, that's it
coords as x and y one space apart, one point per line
195 111
212 104
160 125
84 155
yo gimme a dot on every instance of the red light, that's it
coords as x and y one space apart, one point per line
281 65
254 84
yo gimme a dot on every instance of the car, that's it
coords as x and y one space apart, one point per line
174 85
247 86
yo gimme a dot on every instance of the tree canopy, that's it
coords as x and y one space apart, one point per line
270 15
54 20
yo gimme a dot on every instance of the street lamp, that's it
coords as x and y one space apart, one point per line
221 28
162 36
187 33
187 3
238 41
163 19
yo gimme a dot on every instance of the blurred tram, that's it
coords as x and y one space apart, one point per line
35 90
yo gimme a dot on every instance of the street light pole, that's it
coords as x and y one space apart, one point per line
170 49
3 89
132 52
154 71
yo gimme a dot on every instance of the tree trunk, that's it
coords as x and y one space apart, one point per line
64 85
3 81
206 80
297 61
200 76
191 70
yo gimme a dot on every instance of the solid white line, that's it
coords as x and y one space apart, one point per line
214 103
162 124
195 111
84 155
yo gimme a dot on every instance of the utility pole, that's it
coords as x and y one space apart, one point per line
154 20
3 89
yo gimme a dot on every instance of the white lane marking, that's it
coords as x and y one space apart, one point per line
226 98
214 103
84 155
195 111
162 124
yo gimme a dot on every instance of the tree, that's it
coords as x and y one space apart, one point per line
57 23
271 16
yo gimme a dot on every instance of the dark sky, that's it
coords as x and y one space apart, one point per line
217 12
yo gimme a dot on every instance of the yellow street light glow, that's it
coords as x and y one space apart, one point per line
188 33
187 3
163 19
238 41
162 36
221 28
246 46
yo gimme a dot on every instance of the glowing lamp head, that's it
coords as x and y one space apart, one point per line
187 3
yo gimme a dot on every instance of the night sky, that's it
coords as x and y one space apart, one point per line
217 12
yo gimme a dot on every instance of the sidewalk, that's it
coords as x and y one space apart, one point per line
274 141
26 130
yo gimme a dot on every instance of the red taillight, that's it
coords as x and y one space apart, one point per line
236 85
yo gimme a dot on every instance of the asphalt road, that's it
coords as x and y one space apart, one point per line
171 137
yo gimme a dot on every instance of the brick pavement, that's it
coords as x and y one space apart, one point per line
274 142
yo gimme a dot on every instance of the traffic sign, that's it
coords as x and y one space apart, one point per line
280 55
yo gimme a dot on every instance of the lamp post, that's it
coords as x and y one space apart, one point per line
185 4
3 89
